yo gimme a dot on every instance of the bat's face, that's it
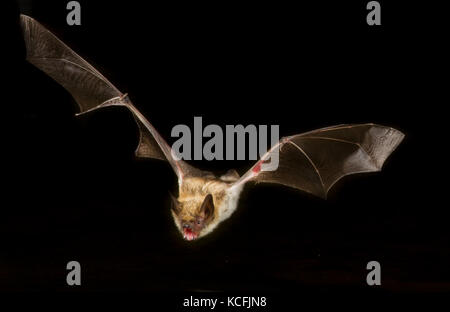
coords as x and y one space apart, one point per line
192 216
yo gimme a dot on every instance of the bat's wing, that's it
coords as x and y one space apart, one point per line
316 160
91 90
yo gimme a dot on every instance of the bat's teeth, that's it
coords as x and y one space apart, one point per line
189 235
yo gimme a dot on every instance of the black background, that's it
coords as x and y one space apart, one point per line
75 192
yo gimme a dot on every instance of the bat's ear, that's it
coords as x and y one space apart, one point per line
207 208
175 204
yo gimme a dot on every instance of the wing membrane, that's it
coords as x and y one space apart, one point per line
314 161
91 90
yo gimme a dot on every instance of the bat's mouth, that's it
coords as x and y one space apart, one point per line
189 235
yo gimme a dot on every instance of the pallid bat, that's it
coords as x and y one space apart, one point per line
312 162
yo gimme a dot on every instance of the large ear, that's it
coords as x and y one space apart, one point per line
175 204
207 208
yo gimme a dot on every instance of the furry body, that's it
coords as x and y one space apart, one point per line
193 191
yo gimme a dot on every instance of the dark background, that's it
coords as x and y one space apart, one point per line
75 192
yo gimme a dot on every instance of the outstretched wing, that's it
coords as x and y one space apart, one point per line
91 90
314 161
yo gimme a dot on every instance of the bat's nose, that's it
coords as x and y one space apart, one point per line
186 226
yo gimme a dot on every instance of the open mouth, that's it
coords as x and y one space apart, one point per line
189 235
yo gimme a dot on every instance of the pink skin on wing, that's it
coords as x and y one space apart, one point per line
257 167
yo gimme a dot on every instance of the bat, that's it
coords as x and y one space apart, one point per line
311 162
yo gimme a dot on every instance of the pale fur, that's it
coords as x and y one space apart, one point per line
193 191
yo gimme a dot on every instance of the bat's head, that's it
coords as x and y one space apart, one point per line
193 216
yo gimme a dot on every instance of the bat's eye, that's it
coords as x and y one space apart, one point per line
198 222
